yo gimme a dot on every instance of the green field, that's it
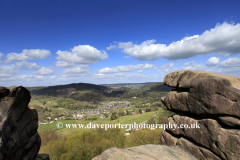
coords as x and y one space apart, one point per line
128 119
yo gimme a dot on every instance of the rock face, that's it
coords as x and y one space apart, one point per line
146 152
19 138
209 104
42 157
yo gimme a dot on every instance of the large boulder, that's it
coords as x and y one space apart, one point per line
149 152
203 93
19 138
209 104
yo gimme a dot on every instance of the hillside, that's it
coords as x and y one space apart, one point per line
65 90
156 87
53 101
76 90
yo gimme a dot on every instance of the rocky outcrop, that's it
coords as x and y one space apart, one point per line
19 138
42 157
209 105
149 152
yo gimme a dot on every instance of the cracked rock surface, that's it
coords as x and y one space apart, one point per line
210 100
19 138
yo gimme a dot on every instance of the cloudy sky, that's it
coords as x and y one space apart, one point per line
51 42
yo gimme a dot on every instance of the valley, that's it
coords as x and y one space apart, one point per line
84 101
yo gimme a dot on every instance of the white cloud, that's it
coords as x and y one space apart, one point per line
82 54
192 63
28 54
15 56
230 62
108 76
8 71
64 64
170 65
188 66
123 77
193 66
1 54
124 45
54 76
44 71
77 71
127 68
27 65
140 71
224 39
126 57
26 76
39 77
230 66
213 61
199 67
114 46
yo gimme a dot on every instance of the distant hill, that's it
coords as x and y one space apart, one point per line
153 86
157 87
65 90
127 85
75 90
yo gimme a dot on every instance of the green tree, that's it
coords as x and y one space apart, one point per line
113 116
151 121
121 112
143 136
140 111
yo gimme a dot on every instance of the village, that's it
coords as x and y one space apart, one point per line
103 110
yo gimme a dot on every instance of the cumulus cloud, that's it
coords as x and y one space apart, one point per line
82 54
193 66
199 67
192 63
64 64
54 76
123 77
114 46
28 54
170 65
140 71
8 71
1 54
43 71
224 39
188 66
126 68
77 71
126 57
107 76
230 62
213 61
27 65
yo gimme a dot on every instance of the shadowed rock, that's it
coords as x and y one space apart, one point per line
42 157
18 125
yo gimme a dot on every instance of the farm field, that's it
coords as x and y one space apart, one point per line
128 119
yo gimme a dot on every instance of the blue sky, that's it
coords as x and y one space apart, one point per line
51 42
